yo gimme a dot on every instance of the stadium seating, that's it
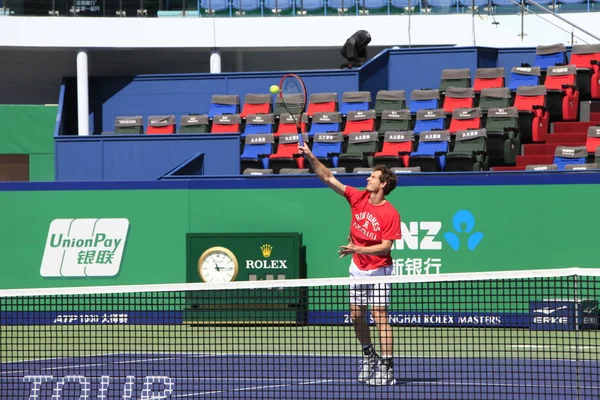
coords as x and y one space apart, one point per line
569 155
396 150
397 121
505 122
456 78
129 125
361 149
258 123
430 155
470 151
355 101
592 142
423 99
256 104
389 100
325 122
458 98
549 56
524 76
287 155
161 125
494 98
586 57
222 104
226 124
429 120
287 123
257 150
360 121
563 96
488 78
465 118
193 124
534 118
294 102
322 102
503 137
327 147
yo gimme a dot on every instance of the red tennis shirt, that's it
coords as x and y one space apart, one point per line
370 225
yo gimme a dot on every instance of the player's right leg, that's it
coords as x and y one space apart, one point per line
359 297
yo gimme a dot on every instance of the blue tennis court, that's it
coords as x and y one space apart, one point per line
197 376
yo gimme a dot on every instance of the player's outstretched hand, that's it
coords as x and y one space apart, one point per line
304 149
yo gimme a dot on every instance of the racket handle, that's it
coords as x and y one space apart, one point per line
301 139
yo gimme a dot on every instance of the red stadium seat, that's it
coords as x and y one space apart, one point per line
592 143
229 123
458 98
322 102
586 57
360 121
256 104
287 124
396 150
563 96
161 125
465 119
287 155
534 118
488 78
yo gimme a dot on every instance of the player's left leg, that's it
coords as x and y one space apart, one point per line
380 299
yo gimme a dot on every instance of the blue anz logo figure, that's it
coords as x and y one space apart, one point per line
466 219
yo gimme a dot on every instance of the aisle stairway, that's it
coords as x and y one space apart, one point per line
563 134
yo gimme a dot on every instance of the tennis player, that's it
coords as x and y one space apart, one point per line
374 227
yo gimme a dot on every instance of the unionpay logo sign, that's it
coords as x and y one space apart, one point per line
84 247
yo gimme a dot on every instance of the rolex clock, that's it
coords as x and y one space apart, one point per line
218 265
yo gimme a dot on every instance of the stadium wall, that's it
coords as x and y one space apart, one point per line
456 223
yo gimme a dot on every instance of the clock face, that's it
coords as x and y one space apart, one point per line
217 265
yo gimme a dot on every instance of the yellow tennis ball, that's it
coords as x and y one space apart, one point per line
274 89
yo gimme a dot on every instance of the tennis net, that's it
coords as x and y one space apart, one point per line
500 335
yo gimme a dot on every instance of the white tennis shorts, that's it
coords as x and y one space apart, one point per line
373 294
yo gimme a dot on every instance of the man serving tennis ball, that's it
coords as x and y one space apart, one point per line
374 227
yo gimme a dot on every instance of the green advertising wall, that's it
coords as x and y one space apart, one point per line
508 227
28 129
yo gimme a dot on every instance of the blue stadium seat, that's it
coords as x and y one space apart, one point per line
549 56
327 147
374 6
216 6
304 7
355 101
241 7
278 6
342 7
257 148
524 76
258 123
429 120
568 155
325 122
421 99
430 155
222 104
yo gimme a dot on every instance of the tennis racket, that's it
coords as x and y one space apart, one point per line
292 93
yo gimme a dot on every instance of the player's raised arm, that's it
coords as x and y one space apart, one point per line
322 171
